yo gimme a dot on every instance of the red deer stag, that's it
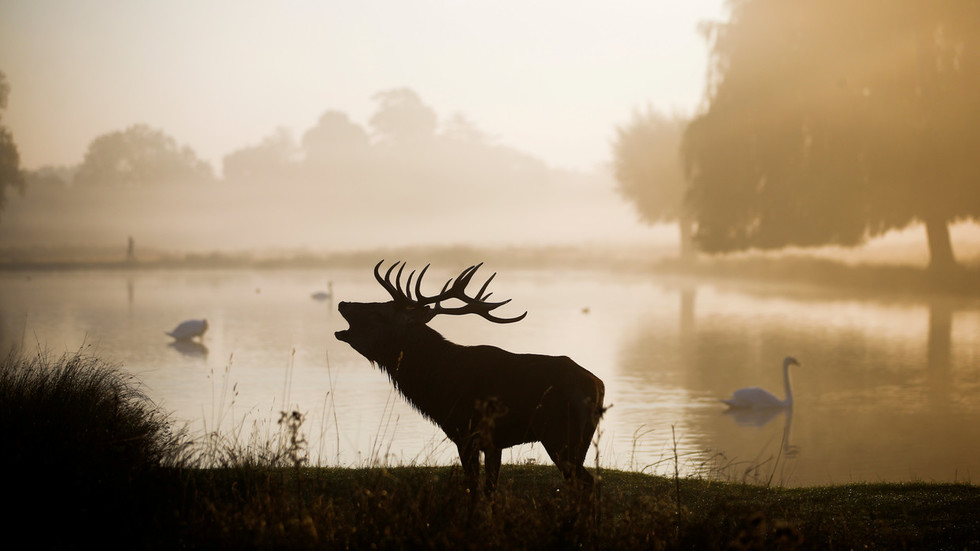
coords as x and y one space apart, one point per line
484 398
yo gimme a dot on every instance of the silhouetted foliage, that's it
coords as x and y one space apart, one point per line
830 122
50 177
407 157
335 146
86 449
140 156
329 188
402 117
273 159
649 172
10 174
460 129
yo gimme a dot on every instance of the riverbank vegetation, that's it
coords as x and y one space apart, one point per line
91 460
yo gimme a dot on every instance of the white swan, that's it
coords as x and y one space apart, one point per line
755 397
189 329
324 295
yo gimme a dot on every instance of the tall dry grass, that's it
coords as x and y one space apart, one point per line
85 452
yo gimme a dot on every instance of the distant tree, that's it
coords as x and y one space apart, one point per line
649 172
831 122
334 145
140 156
10 173
50 177
274 159
402 118
461 129
472 162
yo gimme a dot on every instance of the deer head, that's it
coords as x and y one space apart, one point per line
377 329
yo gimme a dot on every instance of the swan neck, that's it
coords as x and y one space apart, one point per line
789 389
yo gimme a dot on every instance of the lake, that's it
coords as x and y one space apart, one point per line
887 390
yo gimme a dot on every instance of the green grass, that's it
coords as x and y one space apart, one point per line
91 461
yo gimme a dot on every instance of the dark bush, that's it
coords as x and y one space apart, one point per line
84 449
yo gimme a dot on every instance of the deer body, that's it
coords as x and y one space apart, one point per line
484 398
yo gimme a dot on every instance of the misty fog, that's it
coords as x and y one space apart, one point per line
544 208
790 153
409 181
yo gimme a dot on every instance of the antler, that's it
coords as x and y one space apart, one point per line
451 290
394 289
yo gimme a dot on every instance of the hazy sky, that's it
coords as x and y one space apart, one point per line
552 78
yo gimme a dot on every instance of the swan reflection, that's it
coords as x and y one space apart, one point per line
759 417
756 417
191 349
324 295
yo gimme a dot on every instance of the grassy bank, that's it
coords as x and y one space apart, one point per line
420 507
90 461
83 449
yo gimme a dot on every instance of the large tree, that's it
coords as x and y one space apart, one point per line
402 118
647 163
140 156
272 160
336 146
10 173
832 121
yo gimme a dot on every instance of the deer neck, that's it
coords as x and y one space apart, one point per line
418 345
420 369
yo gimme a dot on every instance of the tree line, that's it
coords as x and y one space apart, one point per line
403 130
11 176
406 165
824 123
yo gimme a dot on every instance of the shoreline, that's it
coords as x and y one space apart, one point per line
872 280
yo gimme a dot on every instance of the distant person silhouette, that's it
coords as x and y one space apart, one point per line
131 250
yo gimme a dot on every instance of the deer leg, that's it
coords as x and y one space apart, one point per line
491 460
469 456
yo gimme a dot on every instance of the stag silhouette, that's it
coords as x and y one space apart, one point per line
484 398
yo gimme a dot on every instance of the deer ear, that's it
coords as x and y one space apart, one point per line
421 314
409 312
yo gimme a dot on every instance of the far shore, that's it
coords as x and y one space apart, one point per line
871 279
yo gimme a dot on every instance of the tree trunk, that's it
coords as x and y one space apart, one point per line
685 222
940 247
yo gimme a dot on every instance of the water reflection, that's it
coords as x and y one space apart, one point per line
885 395
759 418
756 417
789 450
324 296
939 350
890 391
190 349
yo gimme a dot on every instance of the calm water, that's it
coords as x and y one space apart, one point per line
888 391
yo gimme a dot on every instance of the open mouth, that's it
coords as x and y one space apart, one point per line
342 335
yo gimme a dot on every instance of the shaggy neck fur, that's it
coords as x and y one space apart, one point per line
418 366
414 338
